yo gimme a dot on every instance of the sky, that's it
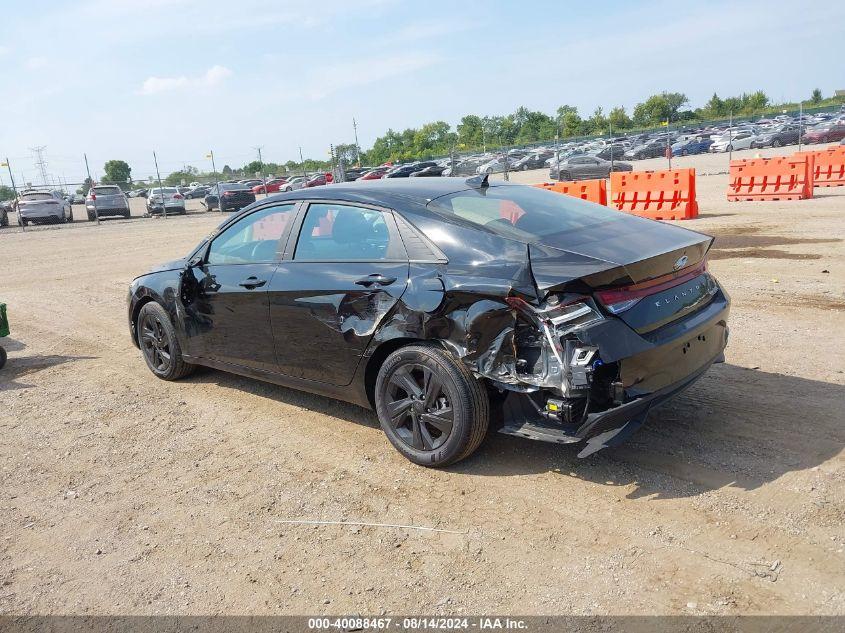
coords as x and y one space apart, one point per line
119 79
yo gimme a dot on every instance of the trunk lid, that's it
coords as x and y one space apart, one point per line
645 272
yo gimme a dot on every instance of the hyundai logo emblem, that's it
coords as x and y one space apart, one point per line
682 261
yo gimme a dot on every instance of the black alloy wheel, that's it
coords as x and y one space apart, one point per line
159 344
419 408
431 407
155 344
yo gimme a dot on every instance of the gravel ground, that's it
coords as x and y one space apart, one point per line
123 494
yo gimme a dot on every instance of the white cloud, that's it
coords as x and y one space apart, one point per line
212 77
362 72
36 63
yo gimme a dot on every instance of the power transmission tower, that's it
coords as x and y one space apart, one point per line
41 163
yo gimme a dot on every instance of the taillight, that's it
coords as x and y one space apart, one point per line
93 197
178 196
618 300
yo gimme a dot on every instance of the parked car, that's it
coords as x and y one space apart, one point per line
428 172
584 166
319 180
199 191
777 136
166 199
495 166
353 173
733 142
550 317
617 151
825 133
250 182
77 198
229 197
698 145
272 186
403 171
650 149
6 207
535 160
106 200
374 174
293 184
37 206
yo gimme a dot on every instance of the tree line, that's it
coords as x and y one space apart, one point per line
478 133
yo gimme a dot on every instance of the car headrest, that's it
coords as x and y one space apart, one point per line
350 227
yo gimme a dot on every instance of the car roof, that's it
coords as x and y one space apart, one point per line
394 193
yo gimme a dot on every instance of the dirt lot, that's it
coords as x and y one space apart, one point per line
125 494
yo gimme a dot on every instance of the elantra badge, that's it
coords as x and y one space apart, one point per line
682 261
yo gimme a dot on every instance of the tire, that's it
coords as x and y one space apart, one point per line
421 435
91 217
2 357
24 222
729 148
159 345
4 220
525 168
776 143
127 215
564 175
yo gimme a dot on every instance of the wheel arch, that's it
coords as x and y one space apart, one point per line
136 311
377 358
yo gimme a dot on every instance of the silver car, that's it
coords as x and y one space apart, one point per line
105 200
43 206
165 199
294 183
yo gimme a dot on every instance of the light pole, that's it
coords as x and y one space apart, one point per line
214 173
15 190
160 188
91 186
357 149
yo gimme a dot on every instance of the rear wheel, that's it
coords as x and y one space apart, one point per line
565 175
159 344
430 406
776 143
2 357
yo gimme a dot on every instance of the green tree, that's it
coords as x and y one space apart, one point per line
816 97
117 172
598 122
659 108
619 119
86 186
533 126
568 121
715 107
754 102
227 171
470 132
6 193
175 178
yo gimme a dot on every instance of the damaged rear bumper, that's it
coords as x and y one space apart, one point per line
663 364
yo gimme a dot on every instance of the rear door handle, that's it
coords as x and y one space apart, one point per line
375 279
252 282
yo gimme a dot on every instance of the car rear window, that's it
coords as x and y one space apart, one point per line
107 191
37 196
522 213
163 190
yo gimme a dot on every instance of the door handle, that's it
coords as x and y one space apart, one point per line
252 282
377 279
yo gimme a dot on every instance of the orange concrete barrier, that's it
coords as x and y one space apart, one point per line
589 190
659 195
828 166
779 178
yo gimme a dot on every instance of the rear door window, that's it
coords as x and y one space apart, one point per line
337 232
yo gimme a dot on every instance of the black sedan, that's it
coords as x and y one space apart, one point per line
229 197
429 172
448 306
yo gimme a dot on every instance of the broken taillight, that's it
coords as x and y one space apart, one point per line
618 300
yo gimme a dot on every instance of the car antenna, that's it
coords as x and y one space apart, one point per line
478 182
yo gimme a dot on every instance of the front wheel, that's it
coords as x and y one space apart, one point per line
776 143
159 344
430 406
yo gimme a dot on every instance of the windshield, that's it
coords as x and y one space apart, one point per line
106 191
523 213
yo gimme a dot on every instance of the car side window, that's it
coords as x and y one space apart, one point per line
253 239
332 232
